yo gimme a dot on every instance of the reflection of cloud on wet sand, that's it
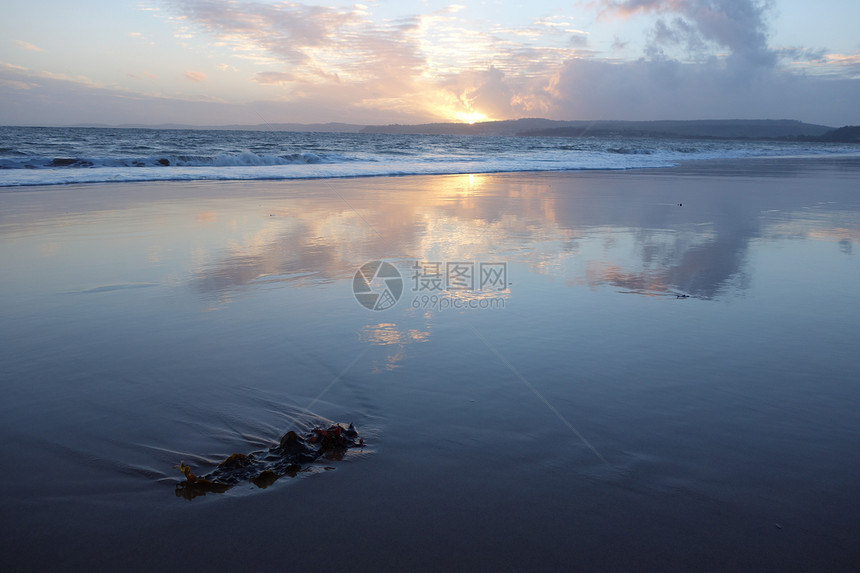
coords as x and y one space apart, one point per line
298 249
208 216
602 272
631 227
701 272
845 237
320 238
701 268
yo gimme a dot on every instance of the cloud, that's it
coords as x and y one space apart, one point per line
840 65
578 40
801 54
195 76
738 25
28 46
18 85
669 89
581 88
431 66
144 75
291 31
820 62
40 98
24 73
437 66
274 78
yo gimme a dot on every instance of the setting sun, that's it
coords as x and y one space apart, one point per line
470 117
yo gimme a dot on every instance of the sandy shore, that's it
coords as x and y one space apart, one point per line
664 380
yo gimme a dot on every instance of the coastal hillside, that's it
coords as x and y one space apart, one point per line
847 134
729 128
784 129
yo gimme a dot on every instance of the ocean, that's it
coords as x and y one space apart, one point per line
50 156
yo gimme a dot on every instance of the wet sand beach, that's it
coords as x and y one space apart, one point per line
594 371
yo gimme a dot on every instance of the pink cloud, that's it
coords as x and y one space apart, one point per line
195 76
28 46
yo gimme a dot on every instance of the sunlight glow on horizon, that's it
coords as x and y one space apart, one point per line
470 117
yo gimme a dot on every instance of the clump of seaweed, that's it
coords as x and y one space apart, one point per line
263 468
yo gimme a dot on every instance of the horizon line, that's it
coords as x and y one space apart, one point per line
458 124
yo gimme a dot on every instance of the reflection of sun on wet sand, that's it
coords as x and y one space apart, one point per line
393 340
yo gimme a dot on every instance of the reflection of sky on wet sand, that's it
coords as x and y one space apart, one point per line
645 243
626 231
295 246
146 324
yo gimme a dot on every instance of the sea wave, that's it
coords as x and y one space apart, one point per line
630 150
54 156
28 177
244 158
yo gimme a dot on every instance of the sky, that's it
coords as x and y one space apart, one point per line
219 62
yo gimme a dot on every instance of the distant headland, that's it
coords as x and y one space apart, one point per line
777 129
